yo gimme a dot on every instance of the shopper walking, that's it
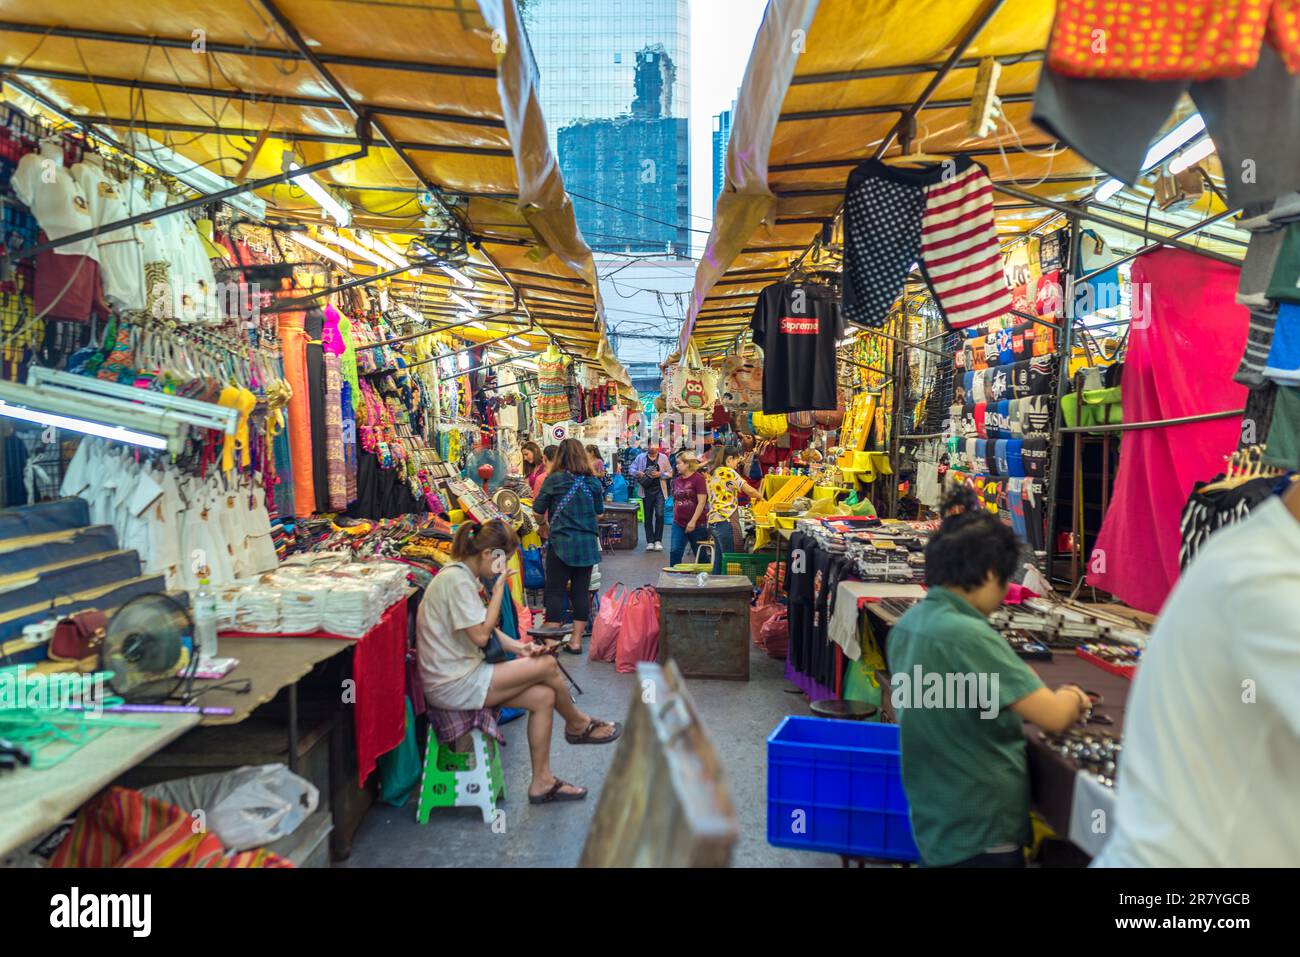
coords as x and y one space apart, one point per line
651 471
690 503
725 486
569 501
964 765
1209 776
456 621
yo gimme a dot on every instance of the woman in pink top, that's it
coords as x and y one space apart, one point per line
534 466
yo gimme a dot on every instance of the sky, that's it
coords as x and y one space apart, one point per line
722 35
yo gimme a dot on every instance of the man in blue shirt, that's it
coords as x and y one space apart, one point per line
650 470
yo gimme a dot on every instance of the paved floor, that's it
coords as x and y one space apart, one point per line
737 715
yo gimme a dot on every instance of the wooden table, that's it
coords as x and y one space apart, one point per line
33 802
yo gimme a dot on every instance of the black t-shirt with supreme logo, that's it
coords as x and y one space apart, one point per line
797 327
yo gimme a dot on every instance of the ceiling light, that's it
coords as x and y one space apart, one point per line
409 312
387 249
369 242
1191 156
337 211
1183 133
304 240
338 239
461 279
460 300
1107 189
192 174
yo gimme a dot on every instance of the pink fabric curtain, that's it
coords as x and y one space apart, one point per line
1185 343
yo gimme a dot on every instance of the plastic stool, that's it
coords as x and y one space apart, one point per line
455 779
699 552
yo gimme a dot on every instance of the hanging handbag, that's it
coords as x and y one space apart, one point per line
78 636
689 386
741 381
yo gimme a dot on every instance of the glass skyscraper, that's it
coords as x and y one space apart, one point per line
721 136
615 87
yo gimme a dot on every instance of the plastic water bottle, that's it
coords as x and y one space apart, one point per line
205 620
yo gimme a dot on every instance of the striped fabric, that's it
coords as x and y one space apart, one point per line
124 828
959 246
1258 342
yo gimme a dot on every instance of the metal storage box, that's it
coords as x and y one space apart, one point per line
624 513
705 628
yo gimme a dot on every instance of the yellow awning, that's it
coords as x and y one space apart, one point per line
447 86
826 83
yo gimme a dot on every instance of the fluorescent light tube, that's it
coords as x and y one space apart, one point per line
114 432
461 301
338 239
197 177
305 240
409 312
461 279
1107 189
1184 132
366 240
1191 156
388 250
337 211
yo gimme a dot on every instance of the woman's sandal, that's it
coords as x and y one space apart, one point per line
556 794
584 737
568 650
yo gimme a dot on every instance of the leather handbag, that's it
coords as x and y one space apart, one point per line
78 636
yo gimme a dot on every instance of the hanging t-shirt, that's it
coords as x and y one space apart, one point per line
797 327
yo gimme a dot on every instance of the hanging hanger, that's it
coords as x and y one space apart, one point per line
907 139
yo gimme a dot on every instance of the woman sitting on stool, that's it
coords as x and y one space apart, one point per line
457 619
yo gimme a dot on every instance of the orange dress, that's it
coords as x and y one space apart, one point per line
293 342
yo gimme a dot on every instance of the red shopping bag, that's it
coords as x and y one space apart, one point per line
638 634
776 636
764 607
604 632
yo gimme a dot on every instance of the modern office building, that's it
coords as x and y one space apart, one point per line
721 136
614 82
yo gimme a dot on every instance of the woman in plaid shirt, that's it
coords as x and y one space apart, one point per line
569 501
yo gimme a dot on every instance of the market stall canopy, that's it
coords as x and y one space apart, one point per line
429 106
825 88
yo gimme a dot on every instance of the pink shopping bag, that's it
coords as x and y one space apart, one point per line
605 629
638 636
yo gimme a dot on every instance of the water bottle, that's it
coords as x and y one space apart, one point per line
205 620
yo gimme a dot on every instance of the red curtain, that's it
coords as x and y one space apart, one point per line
1185 343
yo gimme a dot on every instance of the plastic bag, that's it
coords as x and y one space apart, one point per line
638 636
776 635
255 804
764 608
534 571
604 633
399 769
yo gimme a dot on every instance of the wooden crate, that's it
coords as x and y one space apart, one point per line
705 628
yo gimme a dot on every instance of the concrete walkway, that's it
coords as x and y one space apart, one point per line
737 715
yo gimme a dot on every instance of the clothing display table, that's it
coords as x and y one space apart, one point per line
34 802
378 668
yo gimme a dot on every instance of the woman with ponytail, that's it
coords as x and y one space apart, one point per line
457 619
965 769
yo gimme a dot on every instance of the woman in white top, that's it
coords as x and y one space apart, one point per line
456 621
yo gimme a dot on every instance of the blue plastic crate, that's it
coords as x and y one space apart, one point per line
837 787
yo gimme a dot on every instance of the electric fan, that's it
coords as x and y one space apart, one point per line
144 647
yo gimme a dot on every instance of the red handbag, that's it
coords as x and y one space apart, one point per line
78 636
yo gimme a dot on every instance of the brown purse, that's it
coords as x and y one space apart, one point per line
78 635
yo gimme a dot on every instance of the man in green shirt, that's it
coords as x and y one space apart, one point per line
960 693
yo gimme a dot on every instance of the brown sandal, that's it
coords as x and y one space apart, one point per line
556 794
585 736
